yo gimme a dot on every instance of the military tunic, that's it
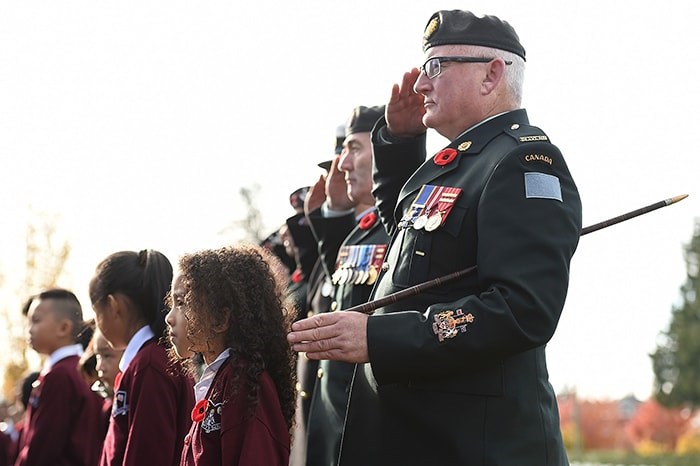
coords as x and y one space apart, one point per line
363 249
457 374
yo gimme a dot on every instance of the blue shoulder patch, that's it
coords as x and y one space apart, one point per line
542 186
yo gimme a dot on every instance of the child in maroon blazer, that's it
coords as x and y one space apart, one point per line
153 398
226 305
63 415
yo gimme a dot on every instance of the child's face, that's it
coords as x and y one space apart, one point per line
177 323
44 328
107 359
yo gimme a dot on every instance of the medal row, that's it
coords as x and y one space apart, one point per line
359 264
430 208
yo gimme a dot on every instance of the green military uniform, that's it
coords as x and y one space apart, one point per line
457 374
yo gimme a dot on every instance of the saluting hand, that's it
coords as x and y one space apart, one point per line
339 336
337 189
315 196
404 112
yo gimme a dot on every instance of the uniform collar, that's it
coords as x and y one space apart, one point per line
142 336
471 142
202 387
62 353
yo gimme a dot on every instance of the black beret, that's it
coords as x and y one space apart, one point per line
363 119
459 27
296 199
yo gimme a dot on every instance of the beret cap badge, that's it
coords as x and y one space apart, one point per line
432 26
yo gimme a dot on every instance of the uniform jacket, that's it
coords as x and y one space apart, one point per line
457 374
330 395
63 418
150 412
229 436
319 298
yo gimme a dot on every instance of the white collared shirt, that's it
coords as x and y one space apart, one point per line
142 336
62 353
202 387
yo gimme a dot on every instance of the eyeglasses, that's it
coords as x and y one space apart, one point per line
432 68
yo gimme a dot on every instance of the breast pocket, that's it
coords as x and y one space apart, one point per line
420 255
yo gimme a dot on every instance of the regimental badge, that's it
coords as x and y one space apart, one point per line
212 421
120 405
431 28
464 146
449 323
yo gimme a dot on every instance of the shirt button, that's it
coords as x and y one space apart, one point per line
385 266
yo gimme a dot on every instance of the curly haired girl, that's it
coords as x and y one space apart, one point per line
227 305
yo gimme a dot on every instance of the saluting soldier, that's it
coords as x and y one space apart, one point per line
349 214
457 375
318 299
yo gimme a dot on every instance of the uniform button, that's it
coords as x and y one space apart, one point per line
310 313
303 395
385 266
319 373
334 306
188 439
298 386
514 126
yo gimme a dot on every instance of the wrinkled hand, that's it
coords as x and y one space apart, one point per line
337 188
404 112
339 336
315 196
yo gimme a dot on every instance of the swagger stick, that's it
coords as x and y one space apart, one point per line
371 306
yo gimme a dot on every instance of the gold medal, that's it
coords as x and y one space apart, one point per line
372 275
433 222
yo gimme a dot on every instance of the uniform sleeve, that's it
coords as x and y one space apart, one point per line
528 226
393 164
52 420
330 233
154 417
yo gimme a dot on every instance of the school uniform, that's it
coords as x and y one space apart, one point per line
226 432
62 417
151 407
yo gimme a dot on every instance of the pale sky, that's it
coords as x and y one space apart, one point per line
136 123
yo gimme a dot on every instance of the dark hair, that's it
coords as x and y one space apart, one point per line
241 285
143 277
65 306
27 385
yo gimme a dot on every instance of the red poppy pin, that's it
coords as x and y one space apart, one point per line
368 221
445 156
297 276
200 410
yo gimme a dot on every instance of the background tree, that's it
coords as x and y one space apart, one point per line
45 257
654 425
250 227
675 361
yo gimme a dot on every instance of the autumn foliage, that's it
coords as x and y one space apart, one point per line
647 428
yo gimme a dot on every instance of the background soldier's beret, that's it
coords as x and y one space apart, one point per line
296 199
459 27
339 138
363 119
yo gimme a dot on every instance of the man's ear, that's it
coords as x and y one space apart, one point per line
494 75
